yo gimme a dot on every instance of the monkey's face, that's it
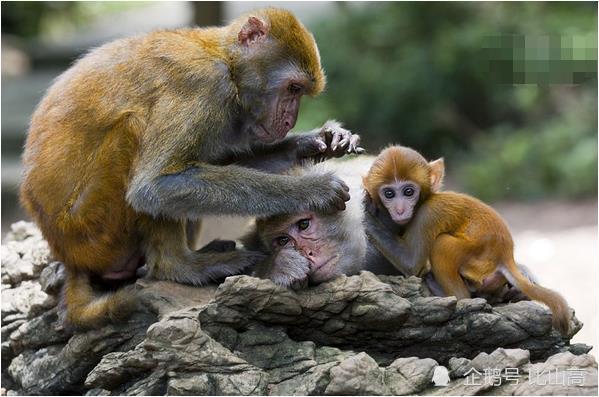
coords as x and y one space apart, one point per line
307 234
274 65
272 105
400 199
279 113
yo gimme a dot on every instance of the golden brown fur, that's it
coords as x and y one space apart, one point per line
463 238
132 110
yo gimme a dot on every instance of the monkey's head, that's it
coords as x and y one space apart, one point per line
327 244
400 179
274 62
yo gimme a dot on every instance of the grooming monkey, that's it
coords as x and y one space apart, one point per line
314 247
144 134
463 242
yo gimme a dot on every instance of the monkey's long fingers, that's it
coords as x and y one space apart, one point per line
353 144
345 138
310 146
335 140
320 144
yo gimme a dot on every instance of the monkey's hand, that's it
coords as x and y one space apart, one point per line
327 193
219 246
376 218
286 268
331 140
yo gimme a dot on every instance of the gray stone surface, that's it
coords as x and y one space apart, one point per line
354 335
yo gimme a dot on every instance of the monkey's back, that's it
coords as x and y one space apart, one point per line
85 137
472 220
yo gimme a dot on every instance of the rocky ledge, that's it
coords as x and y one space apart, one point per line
355 335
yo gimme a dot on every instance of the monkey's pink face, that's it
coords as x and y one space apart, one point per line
400 199
282 110
305 234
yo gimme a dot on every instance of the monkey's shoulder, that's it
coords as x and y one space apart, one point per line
469 209
461 199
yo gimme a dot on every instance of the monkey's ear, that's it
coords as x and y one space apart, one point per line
437 174
252 32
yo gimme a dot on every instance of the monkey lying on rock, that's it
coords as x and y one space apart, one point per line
310 246
145 134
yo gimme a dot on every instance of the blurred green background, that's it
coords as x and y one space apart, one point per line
506 92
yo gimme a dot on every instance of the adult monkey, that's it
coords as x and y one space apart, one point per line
311 246
142 134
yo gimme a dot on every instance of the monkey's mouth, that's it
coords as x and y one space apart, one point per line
322 269
401 220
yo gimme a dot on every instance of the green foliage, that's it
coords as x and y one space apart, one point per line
489 86
556 157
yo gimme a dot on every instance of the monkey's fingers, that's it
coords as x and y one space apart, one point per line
219 246
345 138
353 144
318 145
335 141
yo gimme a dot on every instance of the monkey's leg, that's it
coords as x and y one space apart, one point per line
169 258
447 256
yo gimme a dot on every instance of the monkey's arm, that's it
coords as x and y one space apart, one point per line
197 189
330 140
390 246
409 255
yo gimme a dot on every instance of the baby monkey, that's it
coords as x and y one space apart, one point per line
463 242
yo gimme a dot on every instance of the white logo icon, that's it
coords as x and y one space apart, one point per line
441 376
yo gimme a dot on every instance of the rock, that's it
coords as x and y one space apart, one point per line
407 376
24 253
346 313
358 375
354 335
561 374
25 300
22 230
178 354
61 368
501 359
458 366
52 278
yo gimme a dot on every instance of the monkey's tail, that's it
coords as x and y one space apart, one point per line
557 304
87 309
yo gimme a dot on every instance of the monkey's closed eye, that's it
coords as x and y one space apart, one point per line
409 191
282 241
389 193
294 88
303 224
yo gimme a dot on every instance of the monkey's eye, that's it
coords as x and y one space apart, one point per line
409 191
294 88
389 193
303 224
282 241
